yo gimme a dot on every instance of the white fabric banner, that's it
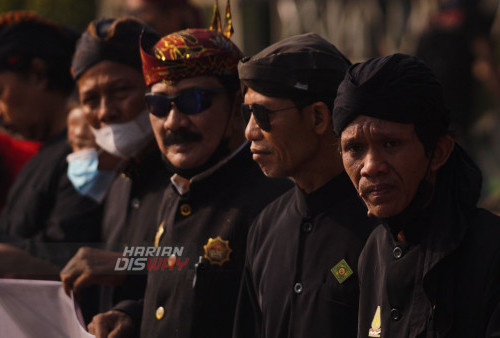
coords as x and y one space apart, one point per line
33 308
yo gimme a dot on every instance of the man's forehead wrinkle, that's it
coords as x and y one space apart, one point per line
378 128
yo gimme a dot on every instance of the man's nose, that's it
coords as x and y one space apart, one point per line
175 119
108 111
252 130
374 164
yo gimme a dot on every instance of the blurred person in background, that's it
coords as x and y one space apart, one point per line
456 44
44 214
14 153
166 16
90 169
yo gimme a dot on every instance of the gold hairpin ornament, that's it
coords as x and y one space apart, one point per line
216 22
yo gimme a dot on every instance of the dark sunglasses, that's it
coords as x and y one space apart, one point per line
189 102
261 114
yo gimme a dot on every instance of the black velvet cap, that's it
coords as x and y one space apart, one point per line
398 88
111 39
299 66
25 35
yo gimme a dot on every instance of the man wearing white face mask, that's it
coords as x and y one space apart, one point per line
107 69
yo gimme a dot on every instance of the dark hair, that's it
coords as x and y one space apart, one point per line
231 83
26 36
113 39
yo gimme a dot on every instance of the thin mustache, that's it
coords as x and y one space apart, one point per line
181 136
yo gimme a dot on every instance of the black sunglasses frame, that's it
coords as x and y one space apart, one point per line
189 102
261 114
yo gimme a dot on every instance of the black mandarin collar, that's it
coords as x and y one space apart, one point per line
226 174
140 168
335 190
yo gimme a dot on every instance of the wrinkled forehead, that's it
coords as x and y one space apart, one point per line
374 127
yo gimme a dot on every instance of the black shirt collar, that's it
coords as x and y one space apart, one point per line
310 205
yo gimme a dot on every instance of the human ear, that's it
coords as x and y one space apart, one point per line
321 117
442 151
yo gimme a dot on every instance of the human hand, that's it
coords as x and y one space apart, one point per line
112 324
91 266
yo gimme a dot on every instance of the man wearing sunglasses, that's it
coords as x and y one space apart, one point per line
300 276
216 191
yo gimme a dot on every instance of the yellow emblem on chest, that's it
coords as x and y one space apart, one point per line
217 251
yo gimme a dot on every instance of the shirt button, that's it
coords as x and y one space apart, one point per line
395 314
160 312
185 210
307 227
135 203
297 288
397 252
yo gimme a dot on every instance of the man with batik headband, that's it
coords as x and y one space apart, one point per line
300 277
214 195
432 268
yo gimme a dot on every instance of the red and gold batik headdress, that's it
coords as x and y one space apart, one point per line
192 52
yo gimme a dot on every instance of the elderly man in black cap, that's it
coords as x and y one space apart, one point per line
300 276
432 268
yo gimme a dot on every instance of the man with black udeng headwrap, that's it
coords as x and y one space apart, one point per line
432 268
300 276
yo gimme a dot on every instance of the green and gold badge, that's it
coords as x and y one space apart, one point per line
341 271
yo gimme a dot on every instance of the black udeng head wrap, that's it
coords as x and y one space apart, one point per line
111 39
301 67
25 36
398 88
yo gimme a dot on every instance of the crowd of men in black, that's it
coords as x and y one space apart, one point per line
305 196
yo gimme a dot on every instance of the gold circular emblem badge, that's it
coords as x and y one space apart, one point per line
217 251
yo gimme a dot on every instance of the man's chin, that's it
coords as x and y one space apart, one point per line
383 211
183 162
